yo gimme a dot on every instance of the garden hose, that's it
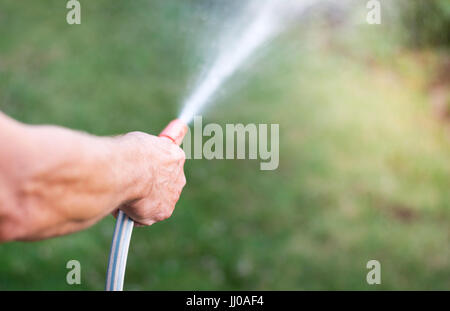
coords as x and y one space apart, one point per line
118 254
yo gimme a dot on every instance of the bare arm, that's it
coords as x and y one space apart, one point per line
55 181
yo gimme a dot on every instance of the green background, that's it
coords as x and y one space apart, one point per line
364 157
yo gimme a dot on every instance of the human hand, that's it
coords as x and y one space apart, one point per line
57 181
160 165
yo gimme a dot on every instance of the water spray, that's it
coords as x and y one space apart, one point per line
267 20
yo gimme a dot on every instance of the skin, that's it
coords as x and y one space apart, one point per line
55 181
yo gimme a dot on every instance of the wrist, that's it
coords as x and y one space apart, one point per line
131 166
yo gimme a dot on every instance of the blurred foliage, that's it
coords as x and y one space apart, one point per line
426 22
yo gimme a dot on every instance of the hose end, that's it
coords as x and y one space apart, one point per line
175 131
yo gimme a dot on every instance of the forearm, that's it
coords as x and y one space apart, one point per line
55 181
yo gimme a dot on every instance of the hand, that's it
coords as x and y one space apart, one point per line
160 162
54 181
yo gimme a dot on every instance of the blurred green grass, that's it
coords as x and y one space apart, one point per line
364 165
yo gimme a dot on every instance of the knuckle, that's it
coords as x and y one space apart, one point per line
168 214
178 153
166 143
165 214
137 134
181 153
147 222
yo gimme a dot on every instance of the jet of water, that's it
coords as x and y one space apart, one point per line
268 19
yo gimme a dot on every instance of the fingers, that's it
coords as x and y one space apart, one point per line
159 205
167 180
148 211
171 153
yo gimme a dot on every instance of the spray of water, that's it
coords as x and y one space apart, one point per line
267 19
